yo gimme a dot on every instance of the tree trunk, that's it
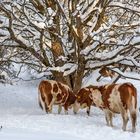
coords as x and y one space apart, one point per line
79 74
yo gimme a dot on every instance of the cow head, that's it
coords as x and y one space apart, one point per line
82 99
76 107
71 100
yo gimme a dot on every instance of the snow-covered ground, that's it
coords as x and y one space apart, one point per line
22 119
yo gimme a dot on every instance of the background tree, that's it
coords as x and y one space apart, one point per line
6 67
72 38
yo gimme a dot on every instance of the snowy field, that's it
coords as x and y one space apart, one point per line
22 119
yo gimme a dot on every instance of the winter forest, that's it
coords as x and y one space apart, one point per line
75 42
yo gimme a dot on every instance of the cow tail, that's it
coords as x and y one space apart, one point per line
133 94
40 99
133 108
134 99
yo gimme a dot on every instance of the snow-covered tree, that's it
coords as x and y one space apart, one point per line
71 38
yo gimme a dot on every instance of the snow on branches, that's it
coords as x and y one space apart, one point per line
88 34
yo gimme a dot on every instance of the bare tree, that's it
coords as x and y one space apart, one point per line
70 38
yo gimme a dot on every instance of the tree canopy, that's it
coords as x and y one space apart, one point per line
70 38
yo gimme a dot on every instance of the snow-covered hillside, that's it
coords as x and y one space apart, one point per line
22 119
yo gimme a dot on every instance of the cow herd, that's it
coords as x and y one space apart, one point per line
111 98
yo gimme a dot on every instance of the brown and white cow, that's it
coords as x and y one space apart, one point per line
55 93
85 98
118 98
112 98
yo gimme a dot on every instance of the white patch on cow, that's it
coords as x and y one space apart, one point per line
133 103
84 105
52 91
87 89
66 95
65 99
96 96
129 84
106 86
115 99
51 81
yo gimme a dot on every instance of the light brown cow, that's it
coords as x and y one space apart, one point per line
118 98
55 93
85 98
106 72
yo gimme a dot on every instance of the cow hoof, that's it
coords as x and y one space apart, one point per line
134 130
75 112
66 112
124 129
111 125
88 113
108 124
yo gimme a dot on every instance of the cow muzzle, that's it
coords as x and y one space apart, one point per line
76 107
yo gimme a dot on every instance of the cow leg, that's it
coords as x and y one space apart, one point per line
66 109
66 112
88 110
124 115
51 103
125 121
133 120
46 108
108 116
125 118
59 109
